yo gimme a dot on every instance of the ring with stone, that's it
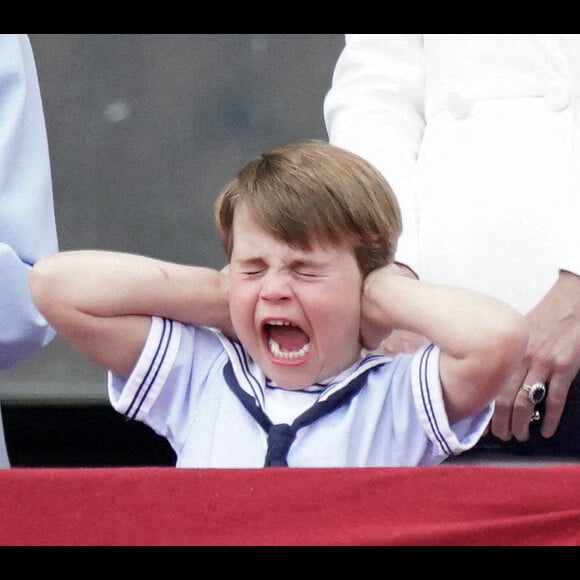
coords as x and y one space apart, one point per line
536 392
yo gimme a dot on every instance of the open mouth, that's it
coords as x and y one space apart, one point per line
285 340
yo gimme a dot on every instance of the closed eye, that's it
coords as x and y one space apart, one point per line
307 274
252 267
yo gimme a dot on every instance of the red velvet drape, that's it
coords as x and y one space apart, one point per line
461 505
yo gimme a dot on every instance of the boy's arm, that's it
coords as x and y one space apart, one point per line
482 340
102 302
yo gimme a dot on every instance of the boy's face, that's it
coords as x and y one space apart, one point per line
297 312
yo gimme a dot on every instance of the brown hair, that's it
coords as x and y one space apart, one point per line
311 190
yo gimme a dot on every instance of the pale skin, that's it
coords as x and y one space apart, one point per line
317 290
552 356
402 341
482 340
101 302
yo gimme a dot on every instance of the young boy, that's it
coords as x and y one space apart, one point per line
310 231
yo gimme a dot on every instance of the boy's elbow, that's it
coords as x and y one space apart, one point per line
500 352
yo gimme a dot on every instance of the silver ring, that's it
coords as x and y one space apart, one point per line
535 416
536 392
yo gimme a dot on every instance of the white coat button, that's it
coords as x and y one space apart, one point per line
457 105
557 96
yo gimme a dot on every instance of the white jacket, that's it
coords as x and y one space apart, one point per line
478 134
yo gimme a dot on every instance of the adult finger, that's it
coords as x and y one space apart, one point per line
555 401
531 393
501 422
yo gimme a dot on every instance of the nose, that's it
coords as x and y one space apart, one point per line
275 286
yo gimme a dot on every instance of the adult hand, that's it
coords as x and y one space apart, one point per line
553 357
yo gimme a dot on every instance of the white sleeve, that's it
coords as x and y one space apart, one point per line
568 234
375 108
176 365
447 439
27 221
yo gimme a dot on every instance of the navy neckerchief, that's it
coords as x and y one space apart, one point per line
281 436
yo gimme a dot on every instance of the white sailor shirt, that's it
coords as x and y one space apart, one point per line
397 418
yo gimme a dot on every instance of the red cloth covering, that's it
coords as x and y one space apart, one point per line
460 505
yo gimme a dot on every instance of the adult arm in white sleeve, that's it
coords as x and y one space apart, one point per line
375 108
27 220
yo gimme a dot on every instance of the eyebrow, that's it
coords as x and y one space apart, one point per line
308 263
297 263
250 261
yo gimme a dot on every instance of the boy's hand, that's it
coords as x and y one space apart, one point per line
384 340
373 331
402 341
227 327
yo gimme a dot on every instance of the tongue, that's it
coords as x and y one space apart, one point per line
290 338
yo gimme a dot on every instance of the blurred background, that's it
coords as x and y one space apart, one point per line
144 130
